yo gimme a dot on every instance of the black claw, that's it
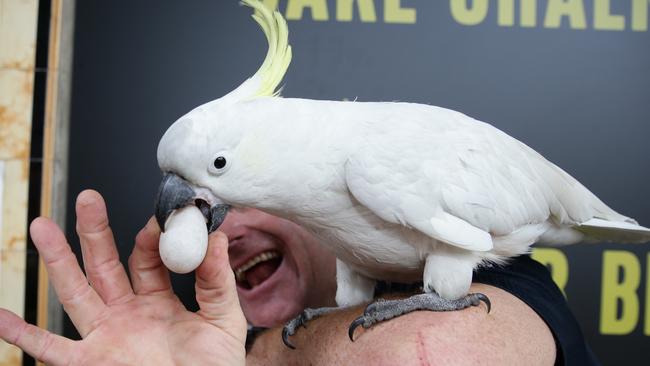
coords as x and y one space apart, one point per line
357 322
486 300
285 338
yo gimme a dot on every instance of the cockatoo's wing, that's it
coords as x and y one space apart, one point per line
400 195
465 182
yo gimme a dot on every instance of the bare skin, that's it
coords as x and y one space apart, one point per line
511 334
137 323
141 322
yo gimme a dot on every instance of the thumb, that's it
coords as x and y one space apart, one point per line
216 291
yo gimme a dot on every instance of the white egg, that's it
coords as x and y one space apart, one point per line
185 241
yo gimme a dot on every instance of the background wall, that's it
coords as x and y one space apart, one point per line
18 23
569 78
35 65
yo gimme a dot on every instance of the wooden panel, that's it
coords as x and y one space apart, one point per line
18 20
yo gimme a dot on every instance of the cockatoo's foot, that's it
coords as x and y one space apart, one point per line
301 321
381 310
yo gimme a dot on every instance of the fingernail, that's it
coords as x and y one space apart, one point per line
86 199
152 224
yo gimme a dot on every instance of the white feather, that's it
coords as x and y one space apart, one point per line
391 188
399 192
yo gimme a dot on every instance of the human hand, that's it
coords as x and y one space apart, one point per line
136 323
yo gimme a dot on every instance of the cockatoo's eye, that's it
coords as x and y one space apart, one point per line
220 163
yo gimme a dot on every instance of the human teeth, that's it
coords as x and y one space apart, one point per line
240 273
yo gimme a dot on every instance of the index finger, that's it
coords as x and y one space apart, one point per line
148 274
101 260
216 291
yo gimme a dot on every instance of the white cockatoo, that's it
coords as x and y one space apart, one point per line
399 192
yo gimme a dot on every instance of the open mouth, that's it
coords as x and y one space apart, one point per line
175 192
214 215
205 210
258 269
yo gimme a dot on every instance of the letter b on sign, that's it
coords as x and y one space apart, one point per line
621 291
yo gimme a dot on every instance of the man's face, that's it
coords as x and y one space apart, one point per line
280 268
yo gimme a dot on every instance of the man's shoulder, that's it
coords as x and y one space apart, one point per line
512 333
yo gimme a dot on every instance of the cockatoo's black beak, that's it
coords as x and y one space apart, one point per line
175 192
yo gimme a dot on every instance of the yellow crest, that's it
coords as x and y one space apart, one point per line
278 56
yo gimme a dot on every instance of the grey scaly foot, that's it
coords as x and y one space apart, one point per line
301 321
381 310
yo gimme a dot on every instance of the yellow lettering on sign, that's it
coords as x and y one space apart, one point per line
646 328
366 8
472 15
395 13
604 19
557 263
527 12
640 15
271 4
528 9
506 15
573 9
318 9
614 291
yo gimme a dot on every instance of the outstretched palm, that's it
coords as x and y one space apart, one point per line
130 323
